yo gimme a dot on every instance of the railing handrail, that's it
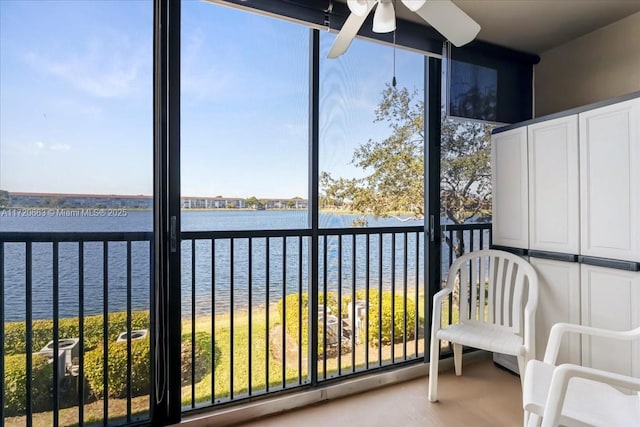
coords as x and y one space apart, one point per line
370 230
90 236
75 236
467 226
240 234
66 236
222 234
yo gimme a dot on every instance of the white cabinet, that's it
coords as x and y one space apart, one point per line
610 299
568 188
554 204
558 301
510 188
610 181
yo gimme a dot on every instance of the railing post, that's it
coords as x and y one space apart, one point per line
2 261
29 329
314 173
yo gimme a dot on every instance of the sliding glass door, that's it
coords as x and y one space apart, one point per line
243 203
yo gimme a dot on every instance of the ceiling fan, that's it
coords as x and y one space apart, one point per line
443 15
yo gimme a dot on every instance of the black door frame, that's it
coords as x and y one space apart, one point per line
165 321
432 153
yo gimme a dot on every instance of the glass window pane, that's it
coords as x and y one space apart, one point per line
76 156
371 136
245 103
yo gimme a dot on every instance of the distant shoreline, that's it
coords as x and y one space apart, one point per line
324 210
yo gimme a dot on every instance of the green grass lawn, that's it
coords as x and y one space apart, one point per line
238 375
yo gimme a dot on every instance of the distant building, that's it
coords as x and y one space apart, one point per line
64 200
239 203
71 201
213 203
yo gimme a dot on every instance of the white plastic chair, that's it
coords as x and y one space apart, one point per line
573 395
498 296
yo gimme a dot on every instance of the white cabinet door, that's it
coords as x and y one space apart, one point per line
610 181
558 301
611 300
510 188
554 203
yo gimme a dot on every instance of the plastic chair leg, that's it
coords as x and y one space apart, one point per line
457 358
433 370
522 364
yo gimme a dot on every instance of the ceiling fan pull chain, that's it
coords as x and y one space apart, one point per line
393 81
327 15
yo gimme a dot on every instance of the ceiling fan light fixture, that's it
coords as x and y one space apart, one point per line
414 5
358 7
443 15
384 18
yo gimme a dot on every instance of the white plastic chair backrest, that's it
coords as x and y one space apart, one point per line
493 286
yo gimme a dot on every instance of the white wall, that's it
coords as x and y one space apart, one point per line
595 67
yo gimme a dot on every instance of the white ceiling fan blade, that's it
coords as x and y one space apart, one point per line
414 5
359 7
348 32
450 21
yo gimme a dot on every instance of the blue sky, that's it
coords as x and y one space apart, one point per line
76 99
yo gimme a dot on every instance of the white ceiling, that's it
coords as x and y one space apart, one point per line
536 26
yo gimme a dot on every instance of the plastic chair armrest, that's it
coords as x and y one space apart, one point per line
560 329
560 383
437 310
530 332
439 296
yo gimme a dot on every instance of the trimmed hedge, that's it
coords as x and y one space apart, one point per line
292 321
117 369
42 330
15 384
140 365
388 319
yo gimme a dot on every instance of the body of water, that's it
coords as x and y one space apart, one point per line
208 283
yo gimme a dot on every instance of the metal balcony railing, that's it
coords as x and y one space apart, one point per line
248 318
60 286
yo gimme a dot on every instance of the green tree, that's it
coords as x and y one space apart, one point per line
4 198
252 202
337 193
465 175
394 168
